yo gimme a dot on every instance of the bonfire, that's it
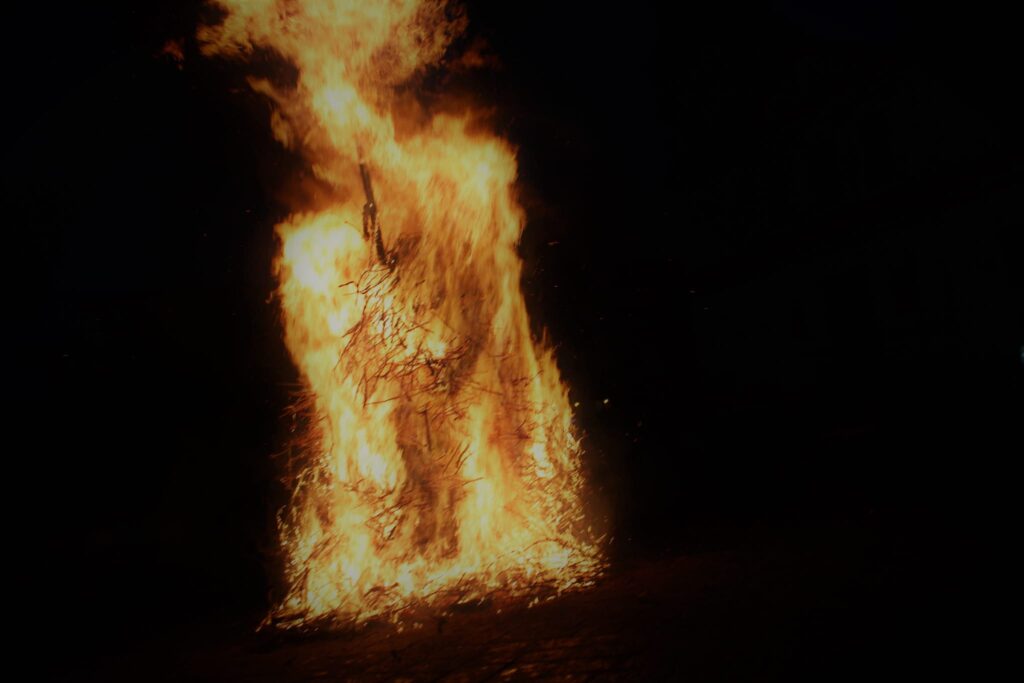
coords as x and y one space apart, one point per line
436 460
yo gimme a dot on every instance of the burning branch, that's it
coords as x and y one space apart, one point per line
371 222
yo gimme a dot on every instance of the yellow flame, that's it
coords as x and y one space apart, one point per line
442 460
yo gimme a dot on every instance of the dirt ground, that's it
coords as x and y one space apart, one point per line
834 603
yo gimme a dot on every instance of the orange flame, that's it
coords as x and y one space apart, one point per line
442 462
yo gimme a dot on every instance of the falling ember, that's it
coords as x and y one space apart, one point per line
440 464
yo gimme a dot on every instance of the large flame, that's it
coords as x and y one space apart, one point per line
441 462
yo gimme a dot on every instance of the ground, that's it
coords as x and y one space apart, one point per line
835 602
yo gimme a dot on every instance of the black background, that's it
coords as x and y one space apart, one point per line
777 239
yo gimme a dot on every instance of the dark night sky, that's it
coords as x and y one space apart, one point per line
783 255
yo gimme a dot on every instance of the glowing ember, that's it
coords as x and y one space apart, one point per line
441 463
